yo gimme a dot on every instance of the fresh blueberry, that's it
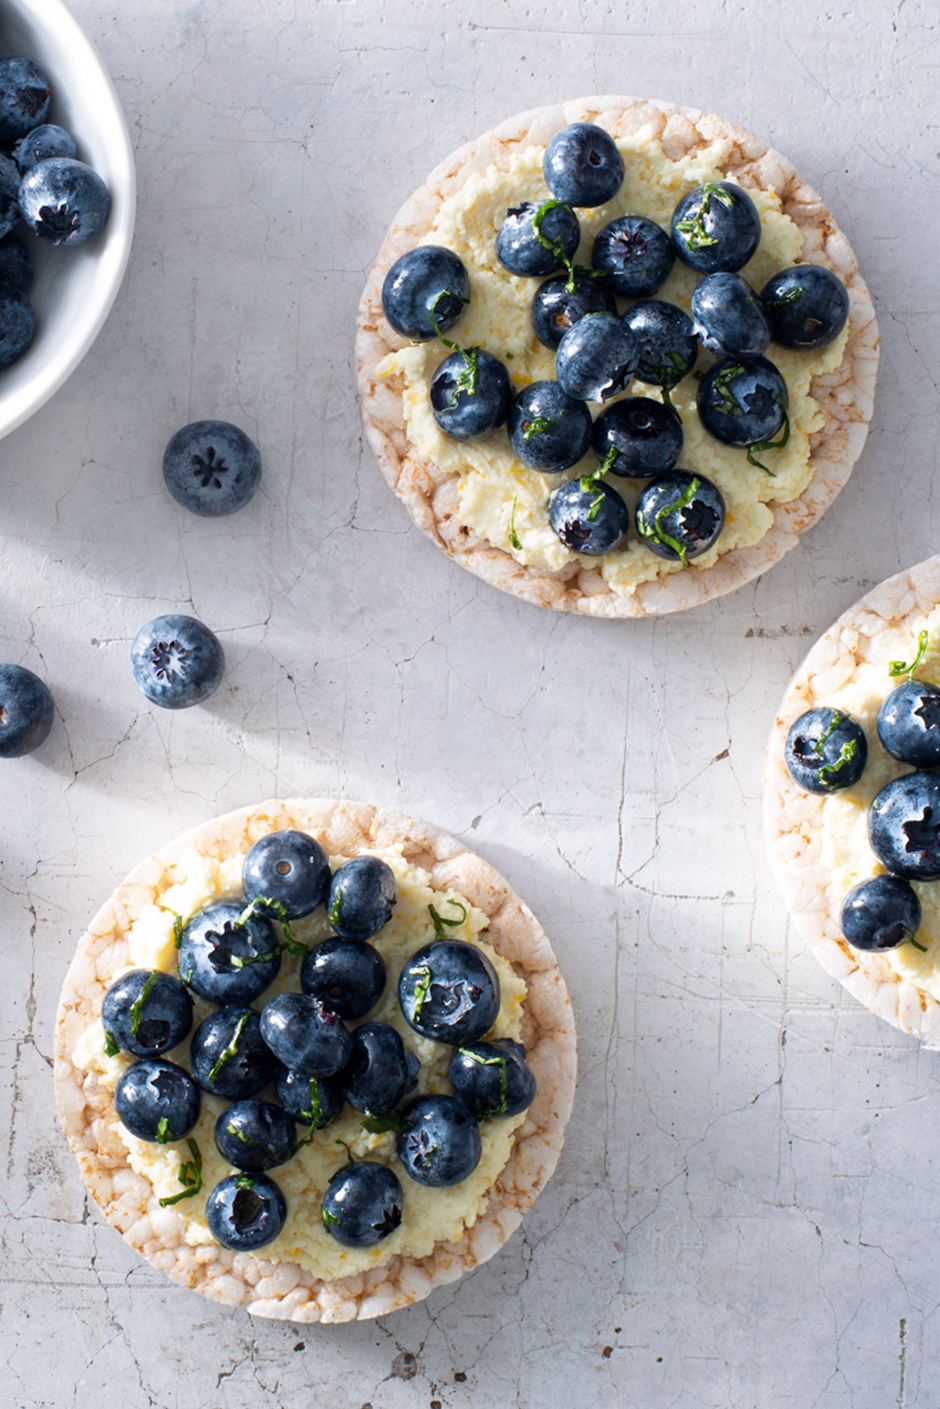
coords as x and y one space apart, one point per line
362 897
425 292
561 301
680 515
176 661
157 1101
582 165
492 1079
666 343
518 247
826 751
63 201
909 723
16 265
26 711
147 1012
880 913
9 194
17 326
904 826
378 1075
636 253
229 1057
548 431
441 1143
449 990
589 516
727 316
314 1100
362 1204
40 144
596 358
246 1211
743 402
470 393
24 98
225 959
289 868
255 1135
715 227
304 1036
645 435
344 975
212 468
807 306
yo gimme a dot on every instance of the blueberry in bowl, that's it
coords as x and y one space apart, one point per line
549 430
425 292
635 254
582 165
361 898
64 201
596 358
43 142
470 393
637 438
290 869
589 516
226 958
537 239
157 1101
17 326
680 515
177 662
362 1204
146 1012
26 711
826 751
212 468
716 227
727 316
880 914
807 306
245 1212
440 1144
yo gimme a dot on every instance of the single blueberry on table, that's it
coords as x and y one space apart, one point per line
378 1075
255 1135
17 326
16 265
289 868
548 431
24 98
226 959
449 990
582 165
492 1079
909 723
744 402
362 897
728 318
518 247
904 826
425 292
441 1144
470 393
344 975
589 516
157 1101
212 468
666 343
41 143
680 515
362 1204
63 201
304 1036
880 913
596 358
716 227
146 1012
560 302
826 751
245 1212
636 254
807 306
229 1057
26 711
177 661
314 1100
645 435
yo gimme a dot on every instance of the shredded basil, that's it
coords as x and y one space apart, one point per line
335 912
503 1079
138 1005
769 445
837 718
898 667
190 1176
382 1124
421 988
232 1047
111 1048
439 922
513 535
178 924
658 530
847 752
163 1131
538 426
693 226
921 947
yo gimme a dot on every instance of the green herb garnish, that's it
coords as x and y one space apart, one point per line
469 376
693 226
503 1079
921 947
190 1175
329 1219
538 426
439 922
513 535
138 1005
313 1115
421 988
239 1134
769 445
245 1181
898 667
382 1124
837 718
787 296
658 530
179 924
232 1047
590 484
238 962
111 1048
728 404
847 752
349 1154
163 1130
335 912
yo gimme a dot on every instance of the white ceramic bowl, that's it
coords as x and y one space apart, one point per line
74 288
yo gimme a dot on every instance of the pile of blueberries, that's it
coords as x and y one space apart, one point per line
742 397
299 1044
62 200
826 752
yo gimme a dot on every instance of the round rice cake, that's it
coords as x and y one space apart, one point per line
844 395
282 1289
818 845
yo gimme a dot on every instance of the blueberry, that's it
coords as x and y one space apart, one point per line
425 292
177 662
518 247
807 306
17 326
588 516
666 343
245 1211
227 960
9 194
441 1144
255 1135
304 1036
147 1012
16 265
344 975
315 1100
449 990
548 430
470 393
582 165
826 751
378 1075
26 711
880 913
212 468
636 253
556 307
492 1079
715 227
41 143
362 897
157 1101
645 435
289 868
229 1057
596 358
680 515
362 1204
909 723
904 826
743 402
24 98
63 201
728 318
